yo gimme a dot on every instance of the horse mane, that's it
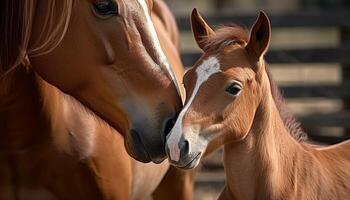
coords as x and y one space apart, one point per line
290 122
229 35
16 21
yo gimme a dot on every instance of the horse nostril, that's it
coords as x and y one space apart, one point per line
168 126
184 147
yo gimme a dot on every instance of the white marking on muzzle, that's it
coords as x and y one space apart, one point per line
209 67
156 44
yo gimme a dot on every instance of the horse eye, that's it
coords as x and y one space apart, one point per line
105 7
234 89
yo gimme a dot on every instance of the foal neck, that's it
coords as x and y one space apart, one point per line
257 167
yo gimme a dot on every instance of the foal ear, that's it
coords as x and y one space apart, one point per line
200 29
259 37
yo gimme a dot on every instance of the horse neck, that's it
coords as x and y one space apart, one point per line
260 165
22 121
73 126
33 112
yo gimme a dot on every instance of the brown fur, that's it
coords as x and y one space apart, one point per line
55 102
225 36
264 157
230 35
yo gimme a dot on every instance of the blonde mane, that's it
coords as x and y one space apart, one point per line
16 22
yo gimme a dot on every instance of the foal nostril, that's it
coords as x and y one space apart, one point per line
184 147
168 126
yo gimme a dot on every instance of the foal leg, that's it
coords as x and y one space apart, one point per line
177 184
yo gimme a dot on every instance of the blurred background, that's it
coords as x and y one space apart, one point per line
309 58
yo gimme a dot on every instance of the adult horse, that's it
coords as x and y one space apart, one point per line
233 102
59 59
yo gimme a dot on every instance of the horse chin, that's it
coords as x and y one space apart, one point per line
137 149
194 163
189 162
158 160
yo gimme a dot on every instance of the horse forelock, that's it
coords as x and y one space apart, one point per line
224 36
16 23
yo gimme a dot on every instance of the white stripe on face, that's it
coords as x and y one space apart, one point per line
156 44
209 67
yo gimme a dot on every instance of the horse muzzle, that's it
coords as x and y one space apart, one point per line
145 143
182 156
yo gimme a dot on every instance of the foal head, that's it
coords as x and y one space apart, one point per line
106 54
223 90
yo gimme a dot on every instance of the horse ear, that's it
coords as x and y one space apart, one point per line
200 28
259 37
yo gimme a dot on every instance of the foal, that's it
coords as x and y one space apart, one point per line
233 102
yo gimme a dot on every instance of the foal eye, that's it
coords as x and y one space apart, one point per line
234 89
105 7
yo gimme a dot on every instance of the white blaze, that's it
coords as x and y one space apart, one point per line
209 67
156 44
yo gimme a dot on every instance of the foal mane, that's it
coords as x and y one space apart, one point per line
16 21
228 35
290 122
